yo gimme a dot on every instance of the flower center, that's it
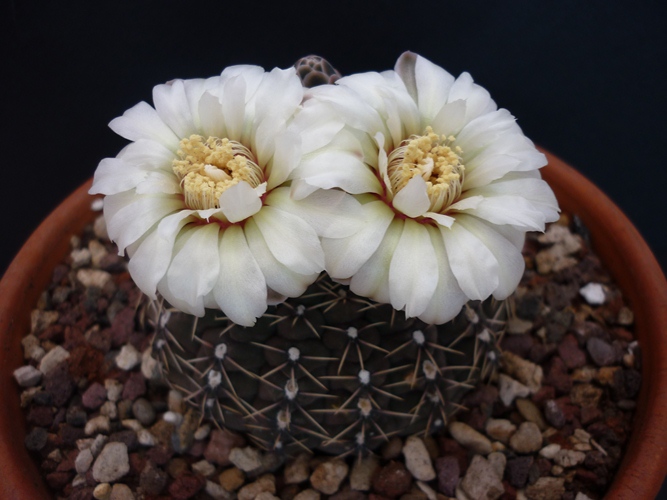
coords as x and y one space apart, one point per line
436 160
206 167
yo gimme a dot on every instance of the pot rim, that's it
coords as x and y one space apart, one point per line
616 242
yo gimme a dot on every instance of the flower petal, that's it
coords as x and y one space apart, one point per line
344 256
278 277
194 269
210 115
291 240
433 84
413 199
473 264
332 213
317 124
412 280
171 104
241 288
505 252
233 107
114 175
372 279
239 202
142 122
129 216
148 154
150 261
286 156
448 298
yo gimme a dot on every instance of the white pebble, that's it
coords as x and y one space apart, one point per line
83 461
97 424
146 438
52 359
128 357
593 293
27 376
114 389
173 418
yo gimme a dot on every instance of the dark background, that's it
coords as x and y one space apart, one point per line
584 79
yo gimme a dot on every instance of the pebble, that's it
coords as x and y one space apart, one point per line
265 483
186 486
80 257
469 438
145 438
143 411
219 446
40 319
233 478
297 470
363 470
152 479
602 353
109 409
392 480
309 494
481 480
247 459
546 488
518 470
32 348
417 459
114 389
128 357
94 278
510 389
36 439
550 450
98 424
112 463
498 461
328 476
531 412
175 401
121 491
204 468
217 492
527 438
569 458
94 396
27 376
102 491
523 370
500 429
448 474
150 368
83 461
593 293
202 432
52 359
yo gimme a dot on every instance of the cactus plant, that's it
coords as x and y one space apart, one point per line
328 370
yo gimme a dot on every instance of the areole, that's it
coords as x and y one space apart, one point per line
615 240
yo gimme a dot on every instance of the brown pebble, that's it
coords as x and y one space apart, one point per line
392 480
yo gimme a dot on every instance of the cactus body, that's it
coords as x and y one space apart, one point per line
328 370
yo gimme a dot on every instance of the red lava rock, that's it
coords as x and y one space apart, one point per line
517 470
392 480
122 326
590 414
41 416
544 393
517 344
85 493
137 463
101 340
448 474
86 362
135 386
557 376
220 444
160 455
570 411
58 480
449 447
621 333
70 434
67 463
152 479
59 384
94 397
186 486
73 337
570 353
540 353
54 333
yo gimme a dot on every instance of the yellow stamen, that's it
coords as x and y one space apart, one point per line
436 160
207 167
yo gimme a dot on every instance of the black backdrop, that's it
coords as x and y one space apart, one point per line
584 79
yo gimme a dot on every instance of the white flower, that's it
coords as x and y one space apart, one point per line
449 186
199 200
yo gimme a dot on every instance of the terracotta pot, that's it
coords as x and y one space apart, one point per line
615 240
